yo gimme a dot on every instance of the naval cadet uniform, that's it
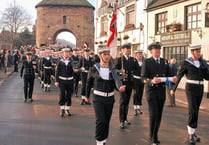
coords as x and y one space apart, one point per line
28 74
47 65
196 72
64 75
156 93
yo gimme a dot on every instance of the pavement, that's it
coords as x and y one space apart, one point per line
4 76
38 123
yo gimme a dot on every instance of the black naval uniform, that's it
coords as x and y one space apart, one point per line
47 65
103 100
28 74
128 65
15 60
77 76
64 75
138 87
86 65
194 87
156 93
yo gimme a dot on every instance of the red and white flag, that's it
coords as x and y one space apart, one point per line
112 41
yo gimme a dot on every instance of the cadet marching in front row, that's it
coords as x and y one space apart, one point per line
104 76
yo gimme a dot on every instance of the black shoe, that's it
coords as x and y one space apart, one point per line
140 111
197 139
31 100
127 122
135 112
45 89
87 103
67 112
82 102
191 139
122 125
62 113
25 100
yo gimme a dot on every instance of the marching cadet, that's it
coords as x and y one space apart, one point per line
126 64
138 84
76 66
28 73
47 65
64 80
100 78
85 64
153 70
196 70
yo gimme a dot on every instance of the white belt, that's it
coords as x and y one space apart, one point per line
195 82
86 71
65 78
99 93
137 77
47 67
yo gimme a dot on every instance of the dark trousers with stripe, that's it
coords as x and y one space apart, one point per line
103 107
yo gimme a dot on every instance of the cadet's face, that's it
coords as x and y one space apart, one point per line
139 55
75 52
127 51
86 53
66 54
28 57
196 53
105 57
156 52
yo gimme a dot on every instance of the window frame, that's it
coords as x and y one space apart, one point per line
165 21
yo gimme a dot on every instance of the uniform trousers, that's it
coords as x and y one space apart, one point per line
194 94
103 107
28 87
66 90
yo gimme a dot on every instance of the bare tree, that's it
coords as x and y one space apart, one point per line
15 19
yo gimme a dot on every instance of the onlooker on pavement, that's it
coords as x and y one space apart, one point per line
173 71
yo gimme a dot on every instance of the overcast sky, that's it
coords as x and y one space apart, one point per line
29 5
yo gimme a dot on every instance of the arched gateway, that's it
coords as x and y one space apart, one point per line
56 16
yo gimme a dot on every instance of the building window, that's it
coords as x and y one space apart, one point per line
161 22
104 26
130 15
64 19
193 16
180 53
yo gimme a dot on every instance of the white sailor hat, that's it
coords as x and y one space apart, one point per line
139 51
47 51
195 47
66 49
103 48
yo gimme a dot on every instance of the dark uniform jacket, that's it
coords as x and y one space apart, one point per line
27 70
86 64
192 72
129 66
99 84
76 61
64 70
151 69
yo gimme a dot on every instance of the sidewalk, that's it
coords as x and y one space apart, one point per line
4 75
181 99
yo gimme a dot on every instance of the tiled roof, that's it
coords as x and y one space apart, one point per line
75 3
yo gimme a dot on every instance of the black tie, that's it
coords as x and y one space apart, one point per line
158 60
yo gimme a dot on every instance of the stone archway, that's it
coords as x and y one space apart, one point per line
56 34
54 17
